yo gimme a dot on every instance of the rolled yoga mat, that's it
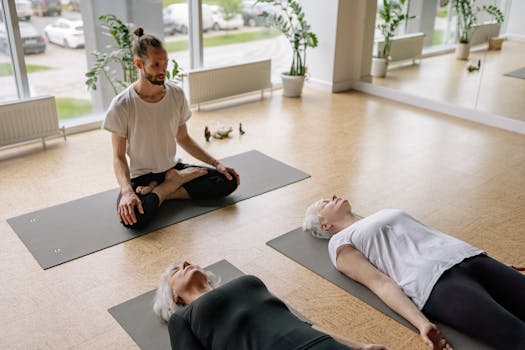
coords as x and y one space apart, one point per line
71 230
312 253
137 318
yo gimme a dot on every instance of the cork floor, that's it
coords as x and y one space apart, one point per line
463 178
444 78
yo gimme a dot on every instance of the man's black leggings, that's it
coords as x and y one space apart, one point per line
483 298
209 186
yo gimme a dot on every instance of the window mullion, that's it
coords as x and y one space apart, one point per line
195 33
15 48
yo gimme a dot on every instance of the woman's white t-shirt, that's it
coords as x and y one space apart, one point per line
410 253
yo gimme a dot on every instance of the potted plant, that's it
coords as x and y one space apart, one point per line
466 19
122 57
495 42
390 17
289 18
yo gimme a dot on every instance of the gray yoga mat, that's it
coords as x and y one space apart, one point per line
518 73
147 329
312 253
71 230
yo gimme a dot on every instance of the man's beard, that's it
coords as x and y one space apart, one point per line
152 79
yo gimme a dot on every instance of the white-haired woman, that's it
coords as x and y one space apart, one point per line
239 315
418 272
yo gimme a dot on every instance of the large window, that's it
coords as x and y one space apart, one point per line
52 40
235 32
63 62
7 78
176 30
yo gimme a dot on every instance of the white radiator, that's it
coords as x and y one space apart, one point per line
404 47
210 84
481 33
30 119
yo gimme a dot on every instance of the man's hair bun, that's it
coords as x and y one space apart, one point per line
139 32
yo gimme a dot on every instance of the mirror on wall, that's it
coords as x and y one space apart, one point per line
423 56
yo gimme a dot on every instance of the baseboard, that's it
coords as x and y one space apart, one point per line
87 123
323 85
341 86
319 84
470 114
515 37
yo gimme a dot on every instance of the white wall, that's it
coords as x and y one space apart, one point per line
320 15
516 24
345 29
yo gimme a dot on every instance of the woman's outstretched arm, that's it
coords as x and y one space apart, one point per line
355 265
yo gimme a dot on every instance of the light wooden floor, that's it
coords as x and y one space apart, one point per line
446 79
465 179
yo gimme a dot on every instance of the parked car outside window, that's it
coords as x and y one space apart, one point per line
74 5
66 33
47 7
176 16
252 13
23 9
220 22
32 40
170 22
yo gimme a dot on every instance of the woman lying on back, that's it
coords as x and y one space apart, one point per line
238 315
420 272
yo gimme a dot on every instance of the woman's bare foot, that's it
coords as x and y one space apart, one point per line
143 190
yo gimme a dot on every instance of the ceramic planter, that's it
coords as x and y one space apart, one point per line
379 67
292 85
462 51
495 43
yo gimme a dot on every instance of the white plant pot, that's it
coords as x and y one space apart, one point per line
292 85
462 51
379 67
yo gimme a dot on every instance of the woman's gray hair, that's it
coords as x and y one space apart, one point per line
164 303
312 222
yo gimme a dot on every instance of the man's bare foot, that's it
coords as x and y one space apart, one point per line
143 190
175 179
185 175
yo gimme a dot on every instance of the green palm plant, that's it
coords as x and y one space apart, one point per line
495 12
289 18
121 56
467 17
390 17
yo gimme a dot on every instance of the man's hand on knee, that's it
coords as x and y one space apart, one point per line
228 172
126 208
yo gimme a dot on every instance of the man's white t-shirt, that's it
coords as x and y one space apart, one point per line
410 253
149 128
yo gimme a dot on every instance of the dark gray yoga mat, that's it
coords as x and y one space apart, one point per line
518 73
312 253
71 230
137 318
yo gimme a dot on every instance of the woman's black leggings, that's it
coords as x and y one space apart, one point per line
209 186
483 298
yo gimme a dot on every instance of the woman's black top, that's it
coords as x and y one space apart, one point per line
240 315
